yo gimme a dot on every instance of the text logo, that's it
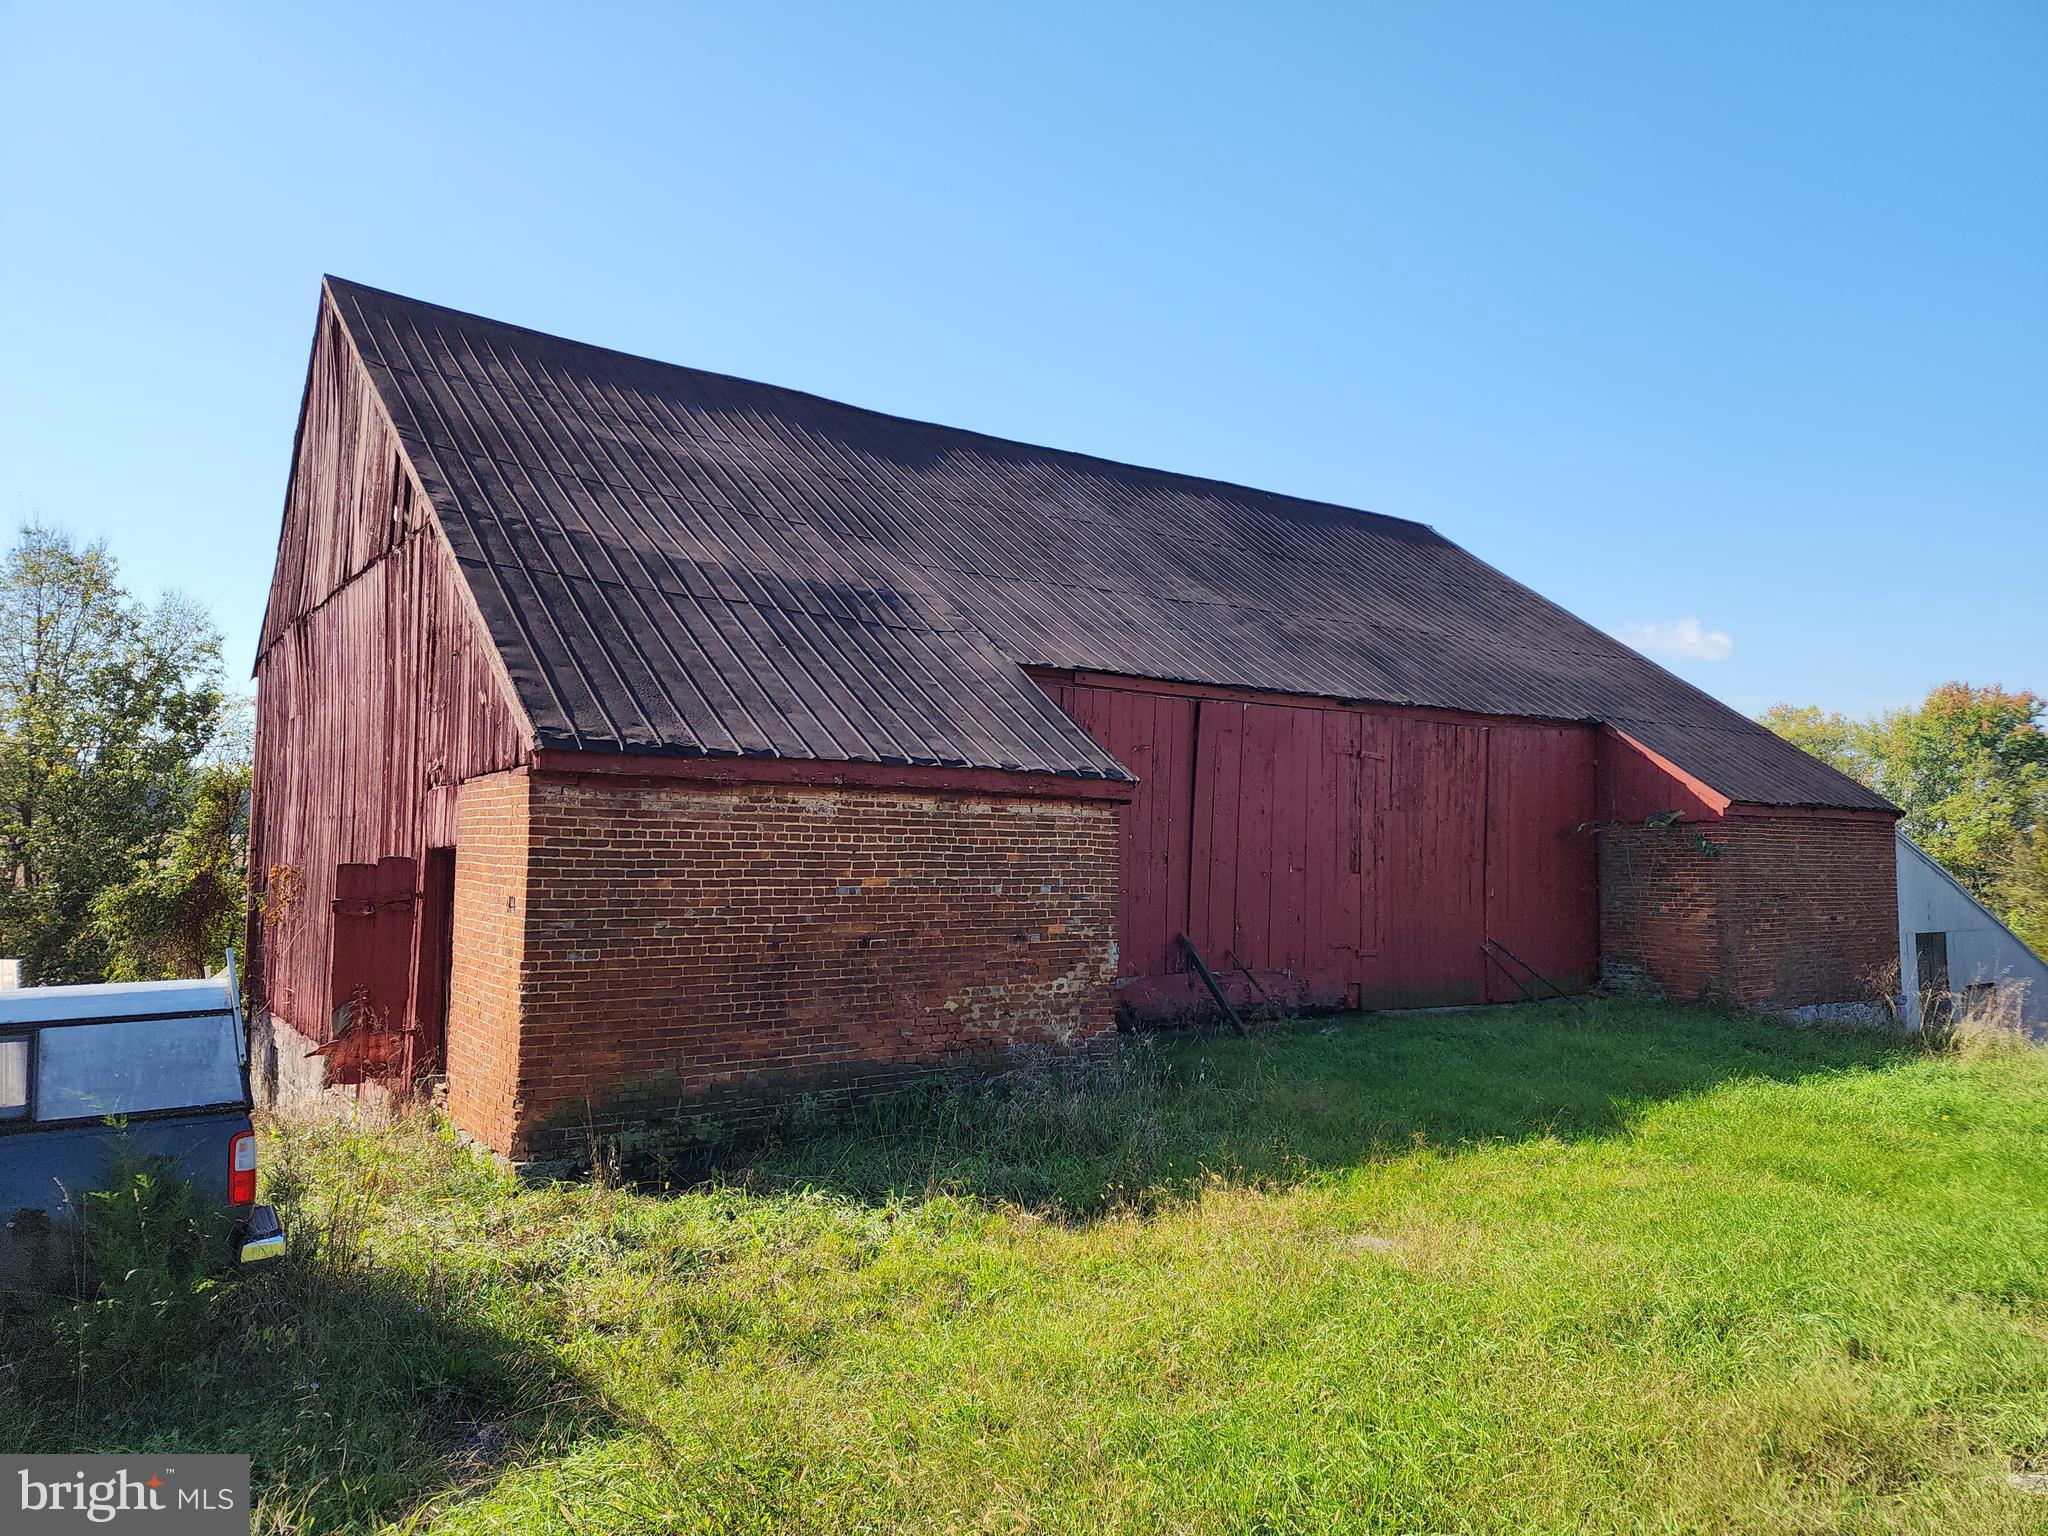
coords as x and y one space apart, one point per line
162 1495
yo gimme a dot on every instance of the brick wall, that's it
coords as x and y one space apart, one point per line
1811 905
486 963
676 941
1660 915
1793 908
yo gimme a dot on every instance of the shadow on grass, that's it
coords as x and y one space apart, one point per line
359 1396
1163 1114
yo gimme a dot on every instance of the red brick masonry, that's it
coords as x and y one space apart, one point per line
1795 907
624 946
627 946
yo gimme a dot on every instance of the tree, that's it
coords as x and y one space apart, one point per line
1969 767
1835 739
179 914
2020 893
105 705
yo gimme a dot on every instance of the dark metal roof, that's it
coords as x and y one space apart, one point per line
674 561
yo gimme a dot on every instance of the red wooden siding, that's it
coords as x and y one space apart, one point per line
1286 875
1541 860
1150 734
370 972
1344 855
1635 782
376 696
1436 839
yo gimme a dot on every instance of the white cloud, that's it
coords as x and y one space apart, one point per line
1679 640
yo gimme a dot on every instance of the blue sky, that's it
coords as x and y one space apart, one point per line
1725 326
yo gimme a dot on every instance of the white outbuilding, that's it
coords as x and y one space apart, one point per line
1952 948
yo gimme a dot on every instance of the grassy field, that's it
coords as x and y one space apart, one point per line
1527 1270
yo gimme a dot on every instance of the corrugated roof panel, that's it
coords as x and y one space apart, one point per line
675 561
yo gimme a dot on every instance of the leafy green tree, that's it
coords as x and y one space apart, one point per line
105 705
1969 767
2019 894
179 914
1835 739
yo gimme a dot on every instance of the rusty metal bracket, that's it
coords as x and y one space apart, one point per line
1493 949
1209 981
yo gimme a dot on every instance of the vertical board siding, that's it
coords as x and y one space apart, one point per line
1150 734
1213 875
376 692
1541 861
1344 855
1635 783
1437 843
1284 885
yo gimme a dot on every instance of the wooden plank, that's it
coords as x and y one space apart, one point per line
1376 790
1297 775
1252 940
1220 740
1541 894
1176 719
1369 851
391 959
352 927
1436 916
1342 901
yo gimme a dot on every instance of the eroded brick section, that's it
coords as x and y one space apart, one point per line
486 968
687 940
1793 909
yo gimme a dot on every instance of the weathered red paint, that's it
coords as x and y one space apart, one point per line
1542 897
1285 878
377 694
370 977
1636 782
1150 736
1343 854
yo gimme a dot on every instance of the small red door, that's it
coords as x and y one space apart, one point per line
371 976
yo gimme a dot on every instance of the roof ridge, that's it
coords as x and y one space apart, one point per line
1237 486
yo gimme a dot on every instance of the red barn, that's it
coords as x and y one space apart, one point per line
632 736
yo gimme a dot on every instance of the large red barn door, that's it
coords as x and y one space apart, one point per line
1284 873
1345 855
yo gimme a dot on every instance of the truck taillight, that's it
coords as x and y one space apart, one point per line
242 1169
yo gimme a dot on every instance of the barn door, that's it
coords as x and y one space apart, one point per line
1284 873
1435 913
433 954
371 976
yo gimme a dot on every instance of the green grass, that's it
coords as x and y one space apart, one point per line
1527 1270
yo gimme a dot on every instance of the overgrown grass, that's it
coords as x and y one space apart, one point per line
1626 1269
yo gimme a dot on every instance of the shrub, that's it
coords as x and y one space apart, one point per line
149 1256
